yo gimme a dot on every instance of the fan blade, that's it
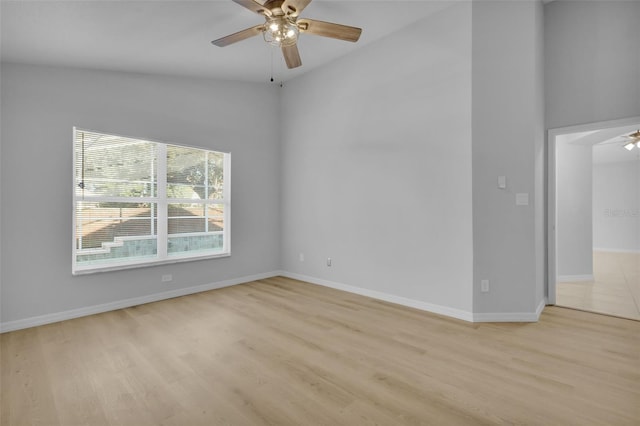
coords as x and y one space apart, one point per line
328 29
294 7
291 56
254 6
239 36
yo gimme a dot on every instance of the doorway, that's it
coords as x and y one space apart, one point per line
594 218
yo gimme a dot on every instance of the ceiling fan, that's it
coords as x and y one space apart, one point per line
633 140
629 141
282 27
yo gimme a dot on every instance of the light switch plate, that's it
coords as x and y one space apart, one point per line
502 182
522 199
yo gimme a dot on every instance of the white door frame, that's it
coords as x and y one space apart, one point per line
551 192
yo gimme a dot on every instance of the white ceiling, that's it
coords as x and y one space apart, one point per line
613 151
174 37
608 144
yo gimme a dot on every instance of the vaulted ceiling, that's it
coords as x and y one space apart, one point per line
174 37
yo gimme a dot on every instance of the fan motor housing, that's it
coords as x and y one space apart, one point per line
275 6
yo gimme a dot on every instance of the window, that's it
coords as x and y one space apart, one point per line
138 202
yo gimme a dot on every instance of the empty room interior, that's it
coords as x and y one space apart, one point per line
319 212
597 221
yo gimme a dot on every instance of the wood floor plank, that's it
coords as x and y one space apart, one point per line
284 352
29 396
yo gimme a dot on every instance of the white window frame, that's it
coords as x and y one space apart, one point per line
162 201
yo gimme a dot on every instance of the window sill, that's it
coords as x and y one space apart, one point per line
147 264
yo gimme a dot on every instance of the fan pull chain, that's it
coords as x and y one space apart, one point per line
280 70
271 51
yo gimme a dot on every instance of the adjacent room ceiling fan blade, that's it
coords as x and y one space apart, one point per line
634 135
329 29
254 6
291 56
294 7
239 36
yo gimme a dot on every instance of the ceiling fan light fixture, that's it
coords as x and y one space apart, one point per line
281 31
282 27
630 146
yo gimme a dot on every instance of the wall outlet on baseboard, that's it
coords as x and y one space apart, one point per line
484 286
328 261
166 278
301 257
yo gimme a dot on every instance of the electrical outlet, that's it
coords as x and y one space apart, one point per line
166 278
328 261
301 257
484 286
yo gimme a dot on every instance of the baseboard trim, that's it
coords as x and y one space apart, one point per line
544 302
511 316
614 250
112 306
574 278
424 306
412 303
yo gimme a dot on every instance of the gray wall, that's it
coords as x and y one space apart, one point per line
508 135
592 61
574 239
40 105
396 137
377 165
616 206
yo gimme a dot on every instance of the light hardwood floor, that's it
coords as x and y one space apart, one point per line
284 352
615 289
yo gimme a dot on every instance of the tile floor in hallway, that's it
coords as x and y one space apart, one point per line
615 289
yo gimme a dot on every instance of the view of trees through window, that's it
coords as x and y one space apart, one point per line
139 201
